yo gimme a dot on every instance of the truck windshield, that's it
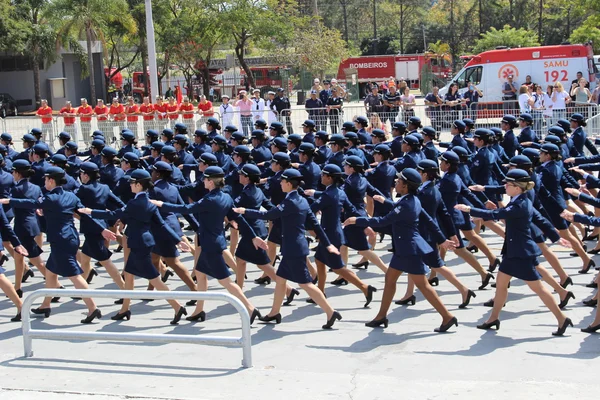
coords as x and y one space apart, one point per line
472 74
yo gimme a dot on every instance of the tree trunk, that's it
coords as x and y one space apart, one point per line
88 37
145 67
239 52
345 14
315 8
402 28
36 76
540 21
480 16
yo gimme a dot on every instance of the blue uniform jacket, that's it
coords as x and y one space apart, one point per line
97 196
26 221
311 174
253 198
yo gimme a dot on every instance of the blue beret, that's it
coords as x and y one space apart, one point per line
232 128
281 157
552 139
411 140
36 131
415 121
127 135
531 153
309 123
200 132
181 138
276 125
212 121
238 136
520 160
450 157
351 136
362 119
71 145
260 122
509 119
409 175
469 122
158 146
55 172
258 134
337 138
526 117
429 131
168 133
556 131
29 138
306 148
354 162
294 138
180 126
577 118
482 133
64 135
563 123
98 133
7 137
550 148
40 148
279 142
382 149
322 135
152 133
458 124
380 133
401 126
241 150
58 158
460 151
332 169
220 140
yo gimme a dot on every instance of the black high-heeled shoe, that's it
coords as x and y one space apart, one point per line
290 298
28 274
268 318
591 329
590 302
95 314
19 293
465 303
444 327
263 281
194 278
336 316
191 303
594 251
166 276
16 318
119 301
561 330
98 264
316 280
376 323
178 316
201 316
255 314
311 301
563 303
42 311
494 265
119 316
119 249
56 299
486 281
3 259
435 281
381 237
360 265
587 267
339 282
574 254
91 275
473 249
588 238
494 285
369 295
277 258
567 282
592 285
411 300
490 303
490 325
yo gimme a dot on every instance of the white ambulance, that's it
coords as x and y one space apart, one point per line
545 64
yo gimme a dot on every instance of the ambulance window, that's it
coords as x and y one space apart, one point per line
473 74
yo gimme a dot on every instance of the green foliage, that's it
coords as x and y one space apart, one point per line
506 36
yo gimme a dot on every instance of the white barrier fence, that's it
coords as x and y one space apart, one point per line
245 341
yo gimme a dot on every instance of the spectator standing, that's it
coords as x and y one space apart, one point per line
314 108
596 93
391 101
434 102
271 115
548 105
537 110
472 96
334 109
116 112
160 109
172 111
324 95
147 112
282 105
509 93
226 111
205 109
101 113
576 82
85 113
525 99
373 101
316 85
244 105
169 93
340 90
453 101
68 113
45 114
186 108
258 105
408 102
376 123
581 96
132 110
528 81
560 99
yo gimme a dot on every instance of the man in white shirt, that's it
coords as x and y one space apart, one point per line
271 116
258 105
226 111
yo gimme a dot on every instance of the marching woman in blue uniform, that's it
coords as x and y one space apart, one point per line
58 207
520 259
98 196
139 214
211 211
337 143
218 144
509 142
128 144
457 130
412 153
294 213
409 248
8 236
308 168
578 136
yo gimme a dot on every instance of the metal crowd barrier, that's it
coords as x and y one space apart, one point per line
245 341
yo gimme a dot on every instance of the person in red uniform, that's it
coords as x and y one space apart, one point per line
85 113
45 114
101 113
205 109
117 113
187 110
161 113
147 111
132 112
68 113
172 111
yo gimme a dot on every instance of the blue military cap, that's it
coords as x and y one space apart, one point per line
127 135
517 175
55 172
291 174
21 164
411 140
276 125
29 138
510 120
483 134
181 138
108 151
58 159
241 149
400 126
180 127
323 135
348 126
152 133
469 122
382 149
7 137
97 143
208 158
294 138
36 131
313 91
213 122
201 132
3 148
450 157
131 157
553 139
409 175
280 142
416 121
519 160
88 167
250 170
354 162
497 131
40 148
281 157
531 153
168 133
579 118
306 148
550 148
556 131
99 137
337 139
261 123
380 133
332 169
126 130
460 125
352 136
71 145
230 128
158 146
64 135
361 119
526 117
418 136
238 136
168 150
460 151
565 124
98 132
280 90
220 140
309 123
258 134
213 172
162 166
139 175
427 165
428 131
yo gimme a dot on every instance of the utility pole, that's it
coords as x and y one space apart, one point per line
374 19
151 50
424 40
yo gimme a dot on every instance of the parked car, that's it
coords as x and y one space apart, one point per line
8 105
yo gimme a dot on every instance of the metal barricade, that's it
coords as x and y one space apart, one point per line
245 341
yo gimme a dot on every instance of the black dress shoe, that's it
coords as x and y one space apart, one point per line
376 323
42 311
91 275
486 281
494 285
315 281
589 265
561 330
369 295
16 318
290 298
28 274
255 314
336 316
563 303
594 251
435 281
191 303
494 265
465 303
588 238
201 316
3 259
411 300
19 293
589 329
381 237
56 299
590 302
339 282
98 264
119 301
473 249
166 276
119 316
268 318
489 303
92 316
178 316
277 258
444 327
567 282
592 285
263 281
489 325
119 249
360 265
573 254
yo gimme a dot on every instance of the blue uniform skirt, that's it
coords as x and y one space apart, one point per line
275 234
213 265
165 248
31 246
294 269
433 259
95 248
356 238
139 263
247 252
409 264
63 258
333 261
521 267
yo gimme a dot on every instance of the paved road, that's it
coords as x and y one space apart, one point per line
298 360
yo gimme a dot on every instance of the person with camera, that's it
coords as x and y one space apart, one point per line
244 104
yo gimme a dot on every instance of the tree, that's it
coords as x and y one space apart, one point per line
585 34
506 36
316 55
89 19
